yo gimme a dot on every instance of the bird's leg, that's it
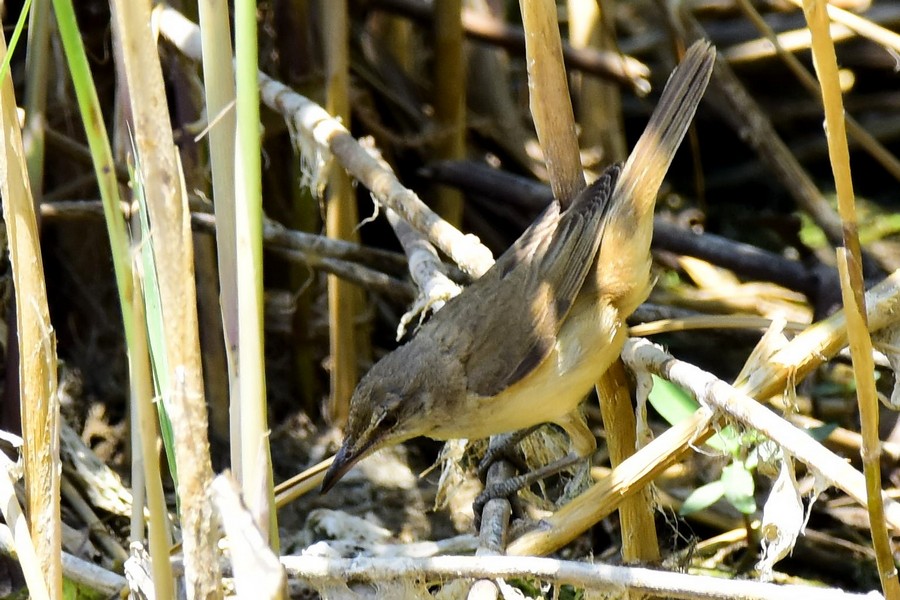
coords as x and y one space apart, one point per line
508 487
492 516
583 445
581 439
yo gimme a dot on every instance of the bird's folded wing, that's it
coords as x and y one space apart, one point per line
532 290
508 321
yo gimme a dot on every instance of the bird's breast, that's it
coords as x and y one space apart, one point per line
589 340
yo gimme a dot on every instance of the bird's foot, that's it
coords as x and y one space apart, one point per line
508 487
503 447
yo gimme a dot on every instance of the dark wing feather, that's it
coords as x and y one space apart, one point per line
529 292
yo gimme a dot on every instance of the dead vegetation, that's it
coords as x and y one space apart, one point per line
142 179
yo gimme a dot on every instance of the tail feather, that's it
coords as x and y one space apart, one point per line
623 266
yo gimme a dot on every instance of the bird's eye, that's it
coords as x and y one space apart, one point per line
387 422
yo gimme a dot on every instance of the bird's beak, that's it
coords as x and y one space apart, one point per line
349 454
343 461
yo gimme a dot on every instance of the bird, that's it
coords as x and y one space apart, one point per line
524 344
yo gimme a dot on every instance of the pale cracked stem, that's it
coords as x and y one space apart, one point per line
611 580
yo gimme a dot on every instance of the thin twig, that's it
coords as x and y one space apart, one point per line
358 264
314 124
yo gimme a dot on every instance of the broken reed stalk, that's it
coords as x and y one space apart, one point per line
548 98
38 401
852 286
256 571
636 513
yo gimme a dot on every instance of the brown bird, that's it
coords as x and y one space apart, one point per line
524 344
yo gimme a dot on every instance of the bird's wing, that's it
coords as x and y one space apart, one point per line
529 291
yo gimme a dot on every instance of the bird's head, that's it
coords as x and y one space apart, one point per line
384 410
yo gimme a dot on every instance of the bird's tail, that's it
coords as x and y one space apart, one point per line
623 266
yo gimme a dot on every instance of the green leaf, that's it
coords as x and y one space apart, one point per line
76 591
156 332
739 487
528 588
811 234
670 401
569 592
674 405
14 40
702 497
